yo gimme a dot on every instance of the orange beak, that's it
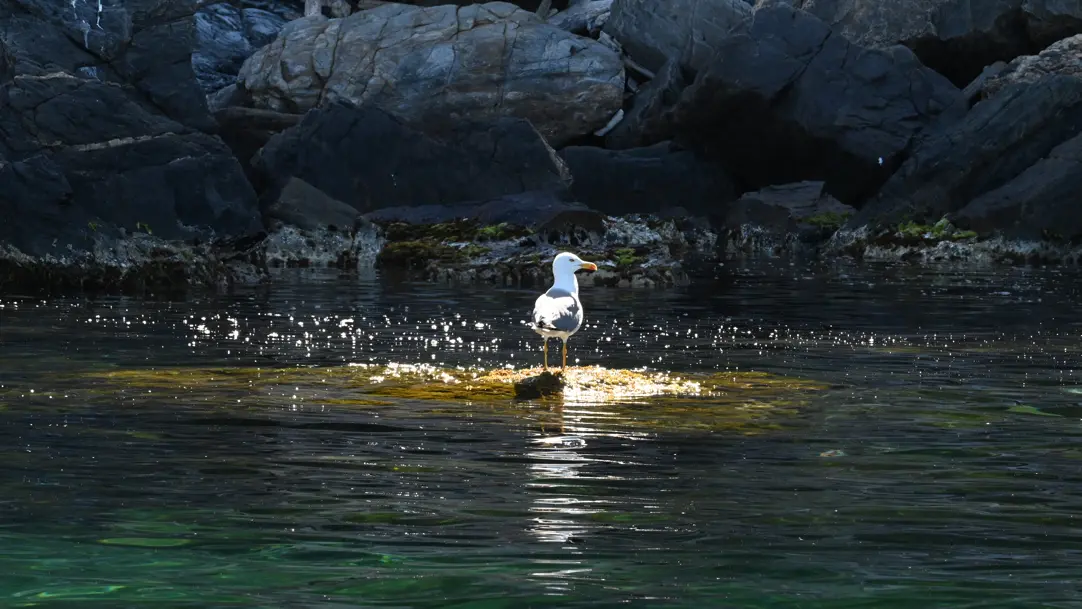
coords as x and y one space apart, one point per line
589 266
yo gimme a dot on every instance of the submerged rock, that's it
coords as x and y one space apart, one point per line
435 66
738 401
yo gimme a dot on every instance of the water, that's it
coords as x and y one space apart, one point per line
940 468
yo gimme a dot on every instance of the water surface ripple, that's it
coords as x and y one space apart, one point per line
940 469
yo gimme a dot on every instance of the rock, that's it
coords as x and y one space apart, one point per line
544 384
85 160
369 159
997 140
434 67
1063 57
646 180
302 205
146 44
1040 203
541 212
537 211
226 34
293 247
645 122
584 18
653 32
957 39
246 131
787 101
782 218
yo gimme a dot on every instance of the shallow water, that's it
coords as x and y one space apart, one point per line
942 466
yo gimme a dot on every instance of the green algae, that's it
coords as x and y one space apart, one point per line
741 401
827 220
942 230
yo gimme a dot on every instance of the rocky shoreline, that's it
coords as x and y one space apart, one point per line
156 146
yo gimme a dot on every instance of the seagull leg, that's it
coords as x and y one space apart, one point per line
564 366
546 350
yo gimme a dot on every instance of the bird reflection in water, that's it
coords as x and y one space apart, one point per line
562 484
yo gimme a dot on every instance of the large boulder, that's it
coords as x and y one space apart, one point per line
369 159
227 33
653 32
81 159
146 44
1041 202
955 37
646 180
999 139
434 67
785 100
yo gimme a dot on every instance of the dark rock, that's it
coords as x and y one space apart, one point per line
786 100
957 39
1042 202
226 34
653 32
536 210
997 140
368 159
644 122
542 385
789 208
86 160
541 211
246 131
144 43
229 96
645 180
302 205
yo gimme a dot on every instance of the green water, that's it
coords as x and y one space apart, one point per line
942 466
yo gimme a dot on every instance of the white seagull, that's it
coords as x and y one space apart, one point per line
558 312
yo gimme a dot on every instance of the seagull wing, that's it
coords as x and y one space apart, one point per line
557 310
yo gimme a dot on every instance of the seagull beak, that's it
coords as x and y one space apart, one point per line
589 266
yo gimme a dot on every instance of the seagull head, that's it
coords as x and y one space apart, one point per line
566 264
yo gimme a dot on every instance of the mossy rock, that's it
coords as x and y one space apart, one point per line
828 220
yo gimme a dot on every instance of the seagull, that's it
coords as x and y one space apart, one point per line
558 312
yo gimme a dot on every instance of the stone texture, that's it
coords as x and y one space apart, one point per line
998 140
955 37
584 18
1063 57
653 32
786 100
146 44
81 159
646 180
226 34
434 67
369 159
1041 202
